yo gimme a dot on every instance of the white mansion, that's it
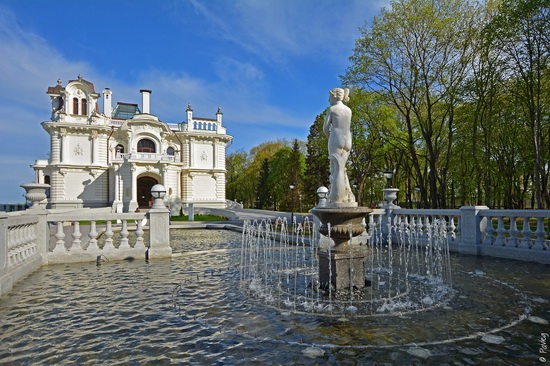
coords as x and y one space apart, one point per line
113 158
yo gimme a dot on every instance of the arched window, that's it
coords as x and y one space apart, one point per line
46 179
119 149
146 146
75 105
84 109
170 151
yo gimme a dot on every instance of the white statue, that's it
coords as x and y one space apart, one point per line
337 128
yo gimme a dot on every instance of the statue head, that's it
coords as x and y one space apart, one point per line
339 94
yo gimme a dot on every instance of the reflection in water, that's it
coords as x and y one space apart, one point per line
191 310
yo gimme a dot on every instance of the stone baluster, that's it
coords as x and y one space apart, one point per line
540 242
489 232
413 228
26 240
499 241
420 228
76 245
32 239
427 229
124 235
60 236
526 232
139 235
92 246
12 244
451 229
512 240
399 227
108 236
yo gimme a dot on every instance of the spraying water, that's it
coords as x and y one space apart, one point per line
411 275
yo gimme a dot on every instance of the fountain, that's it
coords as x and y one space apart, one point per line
341 267
297 273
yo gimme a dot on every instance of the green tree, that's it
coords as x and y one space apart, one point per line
236 184
412 57
521 30
262 191
317 169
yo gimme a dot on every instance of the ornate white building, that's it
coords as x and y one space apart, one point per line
113 158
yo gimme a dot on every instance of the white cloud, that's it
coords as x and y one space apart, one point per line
274 29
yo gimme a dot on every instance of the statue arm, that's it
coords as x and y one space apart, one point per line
326 125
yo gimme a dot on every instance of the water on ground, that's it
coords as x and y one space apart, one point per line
191 310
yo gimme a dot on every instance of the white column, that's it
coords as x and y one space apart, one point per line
95 149
215 155
163 176
134 183
64 146
117 184
56 148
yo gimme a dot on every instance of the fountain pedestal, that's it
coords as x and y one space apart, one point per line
342 266
342 270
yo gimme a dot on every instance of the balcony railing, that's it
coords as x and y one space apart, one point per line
145 157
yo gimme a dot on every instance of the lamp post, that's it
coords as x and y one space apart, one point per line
388 174
417 190
158 192
292 186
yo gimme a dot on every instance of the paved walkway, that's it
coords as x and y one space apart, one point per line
236 217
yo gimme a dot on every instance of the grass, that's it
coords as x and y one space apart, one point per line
199 218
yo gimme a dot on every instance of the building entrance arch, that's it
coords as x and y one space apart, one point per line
144 185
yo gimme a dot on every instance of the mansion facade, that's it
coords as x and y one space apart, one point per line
113 158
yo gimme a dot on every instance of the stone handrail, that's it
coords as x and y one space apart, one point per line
35 237
504 233
70 243
19 248
475 230
145 156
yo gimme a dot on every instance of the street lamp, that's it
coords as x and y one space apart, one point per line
388 174
322 193
417 190
292 186
158 192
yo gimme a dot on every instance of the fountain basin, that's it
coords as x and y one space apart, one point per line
340 219
342 267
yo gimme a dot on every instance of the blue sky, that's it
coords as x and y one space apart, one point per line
267 63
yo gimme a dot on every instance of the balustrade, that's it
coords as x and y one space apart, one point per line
145 156
21 240
77 241
419 222
525 229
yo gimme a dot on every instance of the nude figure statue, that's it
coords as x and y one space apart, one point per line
337 128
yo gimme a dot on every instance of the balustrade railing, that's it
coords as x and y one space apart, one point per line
145 156
420 222
19 248
21 239
525 229
84 237
34 237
